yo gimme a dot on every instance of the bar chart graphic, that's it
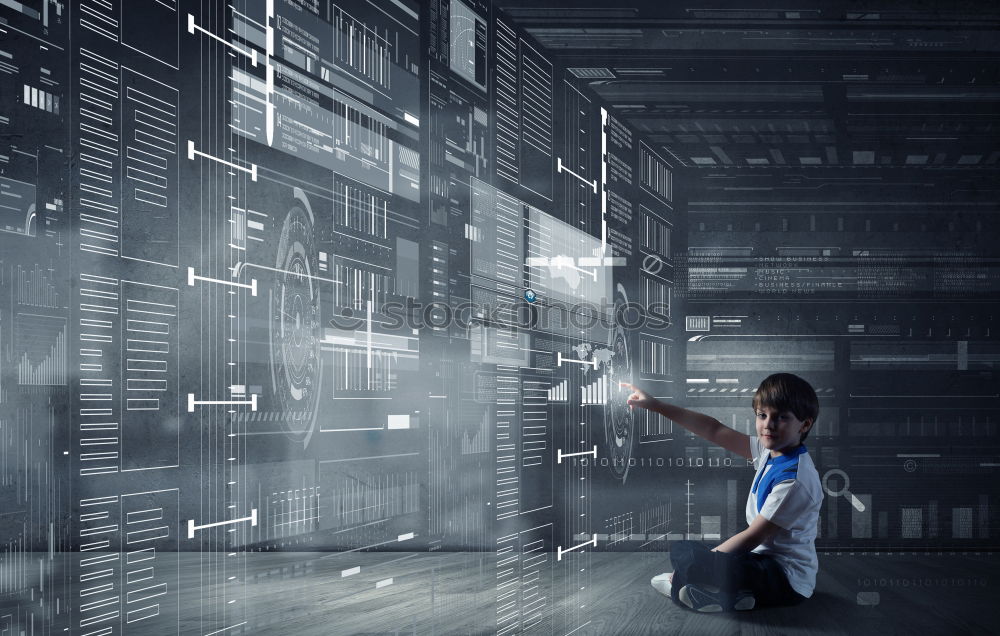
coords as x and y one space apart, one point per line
558 393
36 287
596 392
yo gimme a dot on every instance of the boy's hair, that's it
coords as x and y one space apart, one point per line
788 392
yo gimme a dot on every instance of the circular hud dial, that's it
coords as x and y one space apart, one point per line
295 328
619 428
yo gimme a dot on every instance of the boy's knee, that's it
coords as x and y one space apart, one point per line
682 547
693 545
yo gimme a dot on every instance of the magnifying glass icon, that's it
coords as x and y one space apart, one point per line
844 490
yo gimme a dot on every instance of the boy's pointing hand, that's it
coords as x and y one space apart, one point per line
638 397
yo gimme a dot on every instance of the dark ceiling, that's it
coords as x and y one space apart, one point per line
824 84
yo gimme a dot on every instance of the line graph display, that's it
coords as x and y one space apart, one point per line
40 343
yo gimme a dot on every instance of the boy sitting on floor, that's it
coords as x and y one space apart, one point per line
773 561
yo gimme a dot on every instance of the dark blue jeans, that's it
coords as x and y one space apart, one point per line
695 562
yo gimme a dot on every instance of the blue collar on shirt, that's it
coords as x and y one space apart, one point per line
785 467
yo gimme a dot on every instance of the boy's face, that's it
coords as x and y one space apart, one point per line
779 431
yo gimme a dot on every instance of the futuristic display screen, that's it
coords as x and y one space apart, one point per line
366 276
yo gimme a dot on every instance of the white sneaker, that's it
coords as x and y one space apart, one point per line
707 598
662 583
701 598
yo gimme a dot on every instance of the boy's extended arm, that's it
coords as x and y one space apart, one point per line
758 532
706 427
700 424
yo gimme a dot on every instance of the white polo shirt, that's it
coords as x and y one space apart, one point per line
794 505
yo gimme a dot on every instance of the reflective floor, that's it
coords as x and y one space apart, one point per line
467 593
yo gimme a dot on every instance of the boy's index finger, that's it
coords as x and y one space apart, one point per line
627 384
